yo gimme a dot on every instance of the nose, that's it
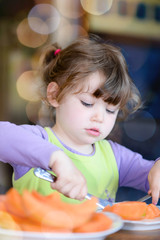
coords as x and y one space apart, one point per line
98 115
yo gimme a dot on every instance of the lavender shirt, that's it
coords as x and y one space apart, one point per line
27 146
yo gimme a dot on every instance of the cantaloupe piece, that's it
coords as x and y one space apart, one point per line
7 222
130 210
79 213
152 211
2 202
43 214
13 203
28 225
98 222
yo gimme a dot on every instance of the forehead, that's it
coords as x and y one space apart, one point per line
92 82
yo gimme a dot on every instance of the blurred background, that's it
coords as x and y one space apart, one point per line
29 25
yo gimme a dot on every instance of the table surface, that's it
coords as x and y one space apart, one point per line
135 235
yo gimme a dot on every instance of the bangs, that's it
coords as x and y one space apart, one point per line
115 94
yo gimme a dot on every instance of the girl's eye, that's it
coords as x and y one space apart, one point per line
109 111
86 104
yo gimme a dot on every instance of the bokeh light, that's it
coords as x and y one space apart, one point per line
67 33
96 7
28 37
71 8
28 85
141 128
44 18
137 62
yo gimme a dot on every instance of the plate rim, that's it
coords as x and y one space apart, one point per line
144 222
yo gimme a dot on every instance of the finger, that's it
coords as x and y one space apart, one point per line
155 196
83 192
66 189
75 193
56 185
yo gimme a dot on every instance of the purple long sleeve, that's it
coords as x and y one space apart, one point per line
133 169
25 145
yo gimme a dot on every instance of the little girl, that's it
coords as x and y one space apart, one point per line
88 85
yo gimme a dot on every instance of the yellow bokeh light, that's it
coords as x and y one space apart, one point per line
96 7
67 33
71 8
28 86
28 37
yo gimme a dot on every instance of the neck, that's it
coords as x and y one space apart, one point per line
65 140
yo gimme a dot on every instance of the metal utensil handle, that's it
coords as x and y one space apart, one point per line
143 199
43 174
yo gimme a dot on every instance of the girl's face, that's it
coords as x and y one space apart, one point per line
82 119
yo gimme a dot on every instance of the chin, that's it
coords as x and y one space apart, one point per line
96 140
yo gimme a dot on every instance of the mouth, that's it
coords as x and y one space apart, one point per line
93 131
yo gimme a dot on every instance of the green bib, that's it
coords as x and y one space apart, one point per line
99 169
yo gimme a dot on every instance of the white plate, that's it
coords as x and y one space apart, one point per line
17 235
142 225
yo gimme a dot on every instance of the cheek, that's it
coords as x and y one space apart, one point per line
74 114
110 122
114 121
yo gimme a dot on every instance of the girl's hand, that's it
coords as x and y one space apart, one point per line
154 182
70 180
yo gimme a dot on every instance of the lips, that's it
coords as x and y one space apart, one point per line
93 131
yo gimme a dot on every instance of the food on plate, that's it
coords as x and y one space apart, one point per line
134 210
13 203
33 212
152 212
7 222
2 205
98 222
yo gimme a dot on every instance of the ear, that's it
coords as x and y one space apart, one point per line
52 91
